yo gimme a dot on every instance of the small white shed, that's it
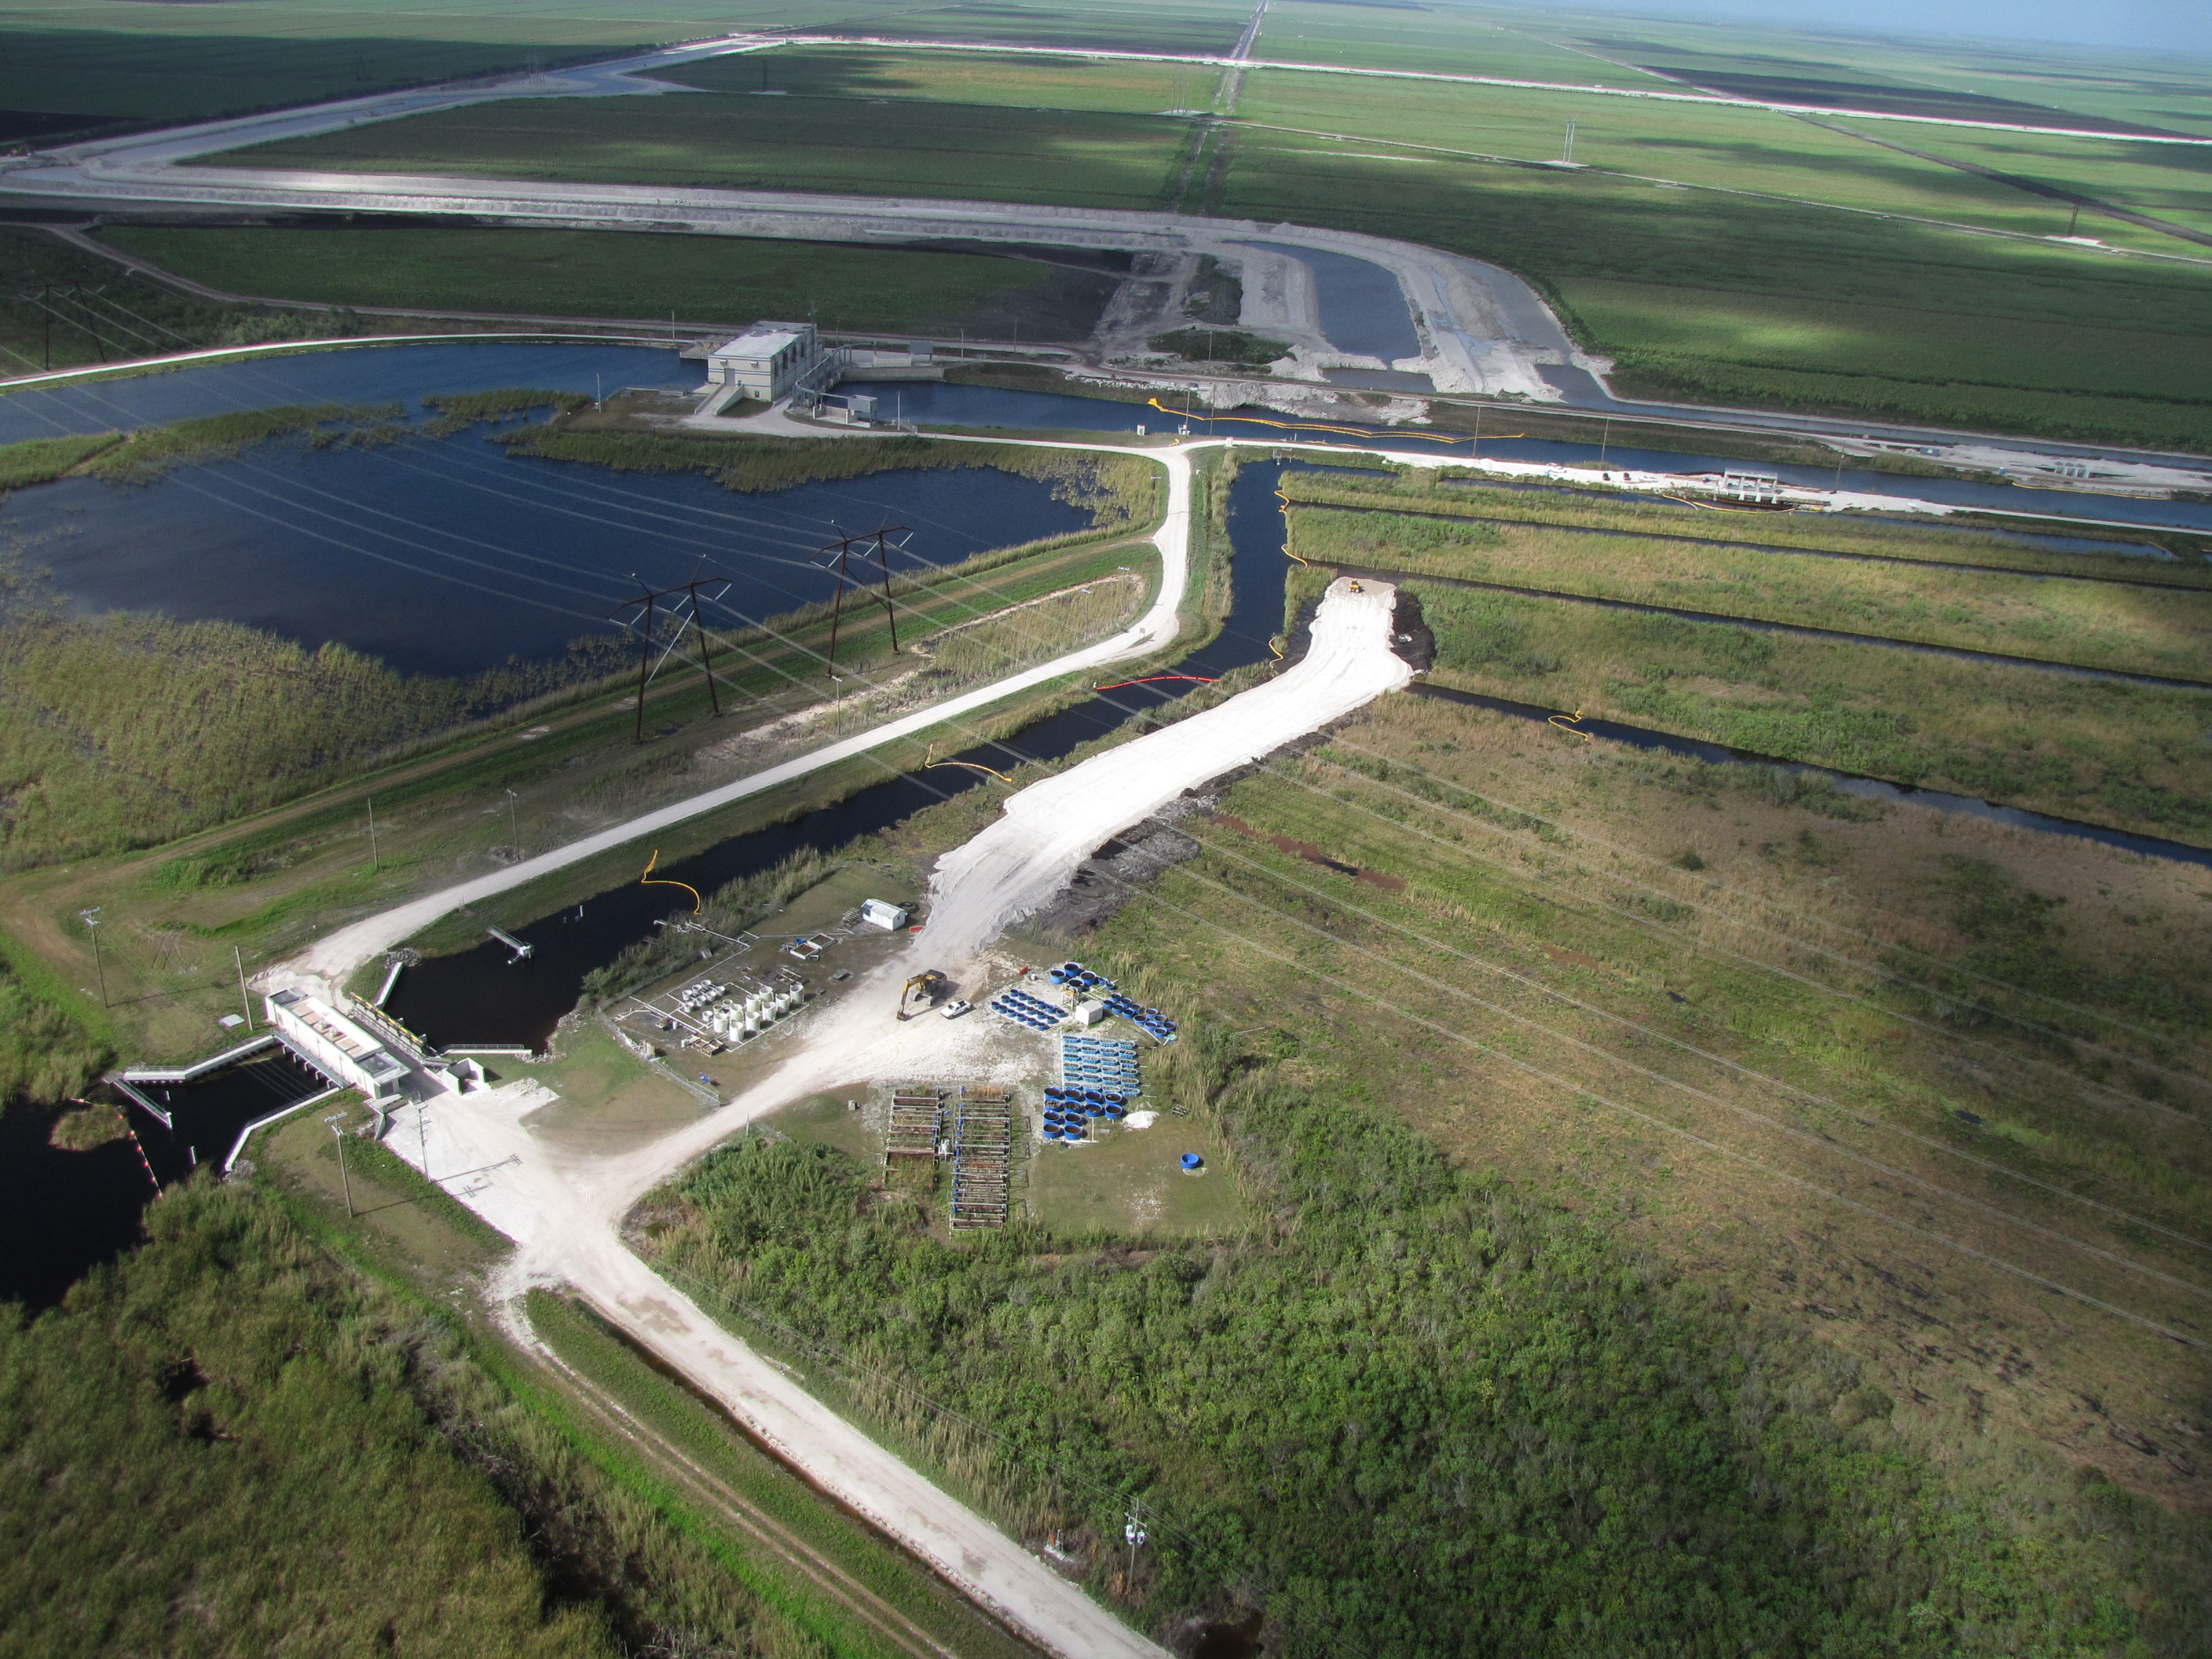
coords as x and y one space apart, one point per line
882 912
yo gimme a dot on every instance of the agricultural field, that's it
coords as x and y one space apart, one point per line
1716 297
94 312
1758 153
62 83
581 273
1460 40
1080 146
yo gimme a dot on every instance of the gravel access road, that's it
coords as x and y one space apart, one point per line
337 956
565 1206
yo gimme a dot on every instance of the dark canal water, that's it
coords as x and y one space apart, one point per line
983 406
480 996
63 1213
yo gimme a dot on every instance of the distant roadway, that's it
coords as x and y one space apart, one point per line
1483 331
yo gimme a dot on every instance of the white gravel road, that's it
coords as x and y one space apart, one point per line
336 957
564 1207
1019 862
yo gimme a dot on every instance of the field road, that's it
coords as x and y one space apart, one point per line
564 1207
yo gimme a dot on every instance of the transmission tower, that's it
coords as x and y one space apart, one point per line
646 667
839 554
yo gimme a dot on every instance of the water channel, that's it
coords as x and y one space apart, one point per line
60 1213
63 1213
482 996
972 406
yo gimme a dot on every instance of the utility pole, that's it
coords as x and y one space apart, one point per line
373 864
841 551
1567 153
1605 439
423 1135
513 834
92 926
645 663
345 1181
244 1001
1475 452
1134 1531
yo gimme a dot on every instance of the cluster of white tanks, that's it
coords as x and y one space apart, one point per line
745 1014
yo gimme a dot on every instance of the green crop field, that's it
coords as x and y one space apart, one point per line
1460 40
743 140
965 77
88 80
581 273
1731 299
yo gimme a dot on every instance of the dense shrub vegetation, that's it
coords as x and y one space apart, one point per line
224 1445
124 730
1417 1413
45 1055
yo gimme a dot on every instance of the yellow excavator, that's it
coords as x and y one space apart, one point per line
928 985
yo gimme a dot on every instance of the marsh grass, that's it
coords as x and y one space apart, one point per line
45 1055
122 730
148 453
38 460
1035 631
1116 491
2091 624
2127 756
1455 493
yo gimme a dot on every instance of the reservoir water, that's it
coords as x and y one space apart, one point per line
1363 309
448 555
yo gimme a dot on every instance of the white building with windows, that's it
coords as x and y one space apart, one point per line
766 360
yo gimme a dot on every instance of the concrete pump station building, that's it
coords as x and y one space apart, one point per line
768 360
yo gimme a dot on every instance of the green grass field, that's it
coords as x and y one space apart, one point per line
1727 299
840 142
581 273
2149 631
